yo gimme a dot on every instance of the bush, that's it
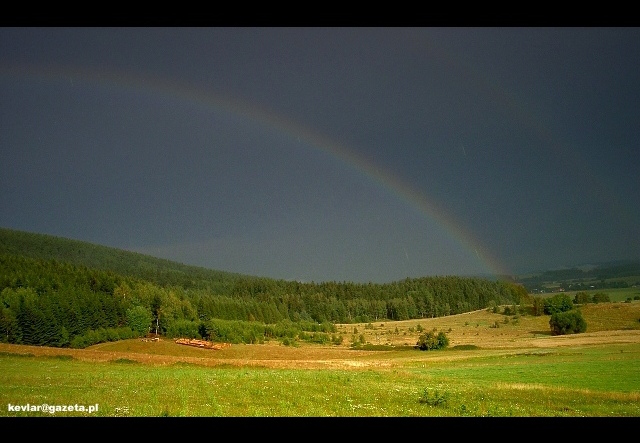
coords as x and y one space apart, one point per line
558 303
601 297
101 335
537 308
430 340
286 341
79 342
582 298
433 397
569 322
112 334
319 337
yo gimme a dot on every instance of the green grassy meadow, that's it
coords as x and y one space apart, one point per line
594 381
585 375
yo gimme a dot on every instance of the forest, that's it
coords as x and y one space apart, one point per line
66 293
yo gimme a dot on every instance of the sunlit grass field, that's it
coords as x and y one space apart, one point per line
592 381
517 369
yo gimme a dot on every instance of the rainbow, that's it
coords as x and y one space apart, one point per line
198 96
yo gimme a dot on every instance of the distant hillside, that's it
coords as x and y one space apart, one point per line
165 272
79 253
617 274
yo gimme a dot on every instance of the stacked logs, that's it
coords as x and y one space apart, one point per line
201 343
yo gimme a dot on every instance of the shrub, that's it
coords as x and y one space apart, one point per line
582 298
433 397
537 308
601 297
78 342
285 328
319 337
558 303
92 337
430 340
569 322
112 334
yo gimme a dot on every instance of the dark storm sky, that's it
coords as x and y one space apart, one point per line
358 154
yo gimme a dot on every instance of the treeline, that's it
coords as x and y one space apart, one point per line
56 303
348 302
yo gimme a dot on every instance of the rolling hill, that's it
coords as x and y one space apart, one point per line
126 263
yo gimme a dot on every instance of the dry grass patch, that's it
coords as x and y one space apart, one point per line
609 316
606 323
489 330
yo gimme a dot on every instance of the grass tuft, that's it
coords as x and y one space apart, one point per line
15 354
124 361
433 397
64 357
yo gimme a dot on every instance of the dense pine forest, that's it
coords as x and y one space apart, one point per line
62 292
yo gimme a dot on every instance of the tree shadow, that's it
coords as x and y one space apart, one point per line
540 332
